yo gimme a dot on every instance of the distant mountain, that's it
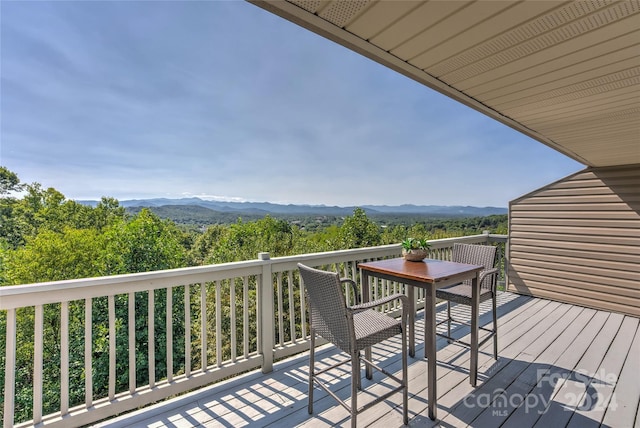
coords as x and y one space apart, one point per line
194 214
264 208
447 210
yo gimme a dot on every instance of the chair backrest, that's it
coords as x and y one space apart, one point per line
484 255
327 306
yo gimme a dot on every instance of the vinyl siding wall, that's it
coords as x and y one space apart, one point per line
578 240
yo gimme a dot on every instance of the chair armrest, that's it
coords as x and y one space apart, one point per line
383 300
354 288
492 274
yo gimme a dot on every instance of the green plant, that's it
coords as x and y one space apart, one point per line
415 244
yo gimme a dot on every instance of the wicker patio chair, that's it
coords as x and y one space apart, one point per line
484 255
351 329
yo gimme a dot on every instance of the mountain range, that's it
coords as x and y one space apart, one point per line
264 208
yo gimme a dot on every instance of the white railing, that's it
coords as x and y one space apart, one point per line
88 339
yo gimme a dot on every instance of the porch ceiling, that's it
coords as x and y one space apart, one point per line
564 73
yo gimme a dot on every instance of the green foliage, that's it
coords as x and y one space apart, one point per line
52 256
243 241
48 238
359 231
107 213
9 181
48 209
145 243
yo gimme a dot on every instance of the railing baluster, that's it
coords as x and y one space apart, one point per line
203 327
396 304
387 288
232 304
352 272
344 273
245 305
88 351
376 286
169 324
218 326
303 309
280 310
37 363
368 285
292 308
187 330
64 358
151 338
112 346
132 341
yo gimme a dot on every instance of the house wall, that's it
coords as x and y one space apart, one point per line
578 240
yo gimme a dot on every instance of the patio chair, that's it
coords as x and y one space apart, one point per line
484 255
351 329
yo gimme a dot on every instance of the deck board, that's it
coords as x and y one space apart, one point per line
509 396
551 355
527 412
591 408
472 402
571 389
626 393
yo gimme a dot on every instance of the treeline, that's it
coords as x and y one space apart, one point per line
197 217
46 237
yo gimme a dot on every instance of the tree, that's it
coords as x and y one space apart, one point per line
106 213
9 182
359 231
46 209
50 256
111 245
204 245
143 244
9 226
53 256
244 240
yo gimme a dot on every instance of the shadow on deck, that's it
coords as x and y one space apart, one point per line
559 365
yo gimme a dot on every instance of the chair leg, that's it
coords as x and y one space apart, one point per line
448 320
359 377
495 326
355 375
405 379
312 351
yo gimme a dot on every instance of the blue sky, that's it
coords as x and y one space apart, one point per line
222 100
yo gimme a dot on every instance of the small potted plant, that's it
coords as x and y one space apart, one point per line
415 250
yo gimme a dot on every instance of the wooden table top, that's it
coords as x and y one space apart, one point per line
428 270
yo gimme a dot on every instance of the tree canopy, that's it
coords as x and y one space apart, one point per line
46 237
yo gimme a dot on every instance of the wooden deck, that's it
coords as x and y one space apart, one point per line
560 365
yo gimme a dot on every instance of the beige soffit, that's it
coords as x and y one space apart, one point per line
564 73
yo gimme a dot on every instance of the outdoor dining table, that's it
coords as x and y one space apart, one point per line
429 275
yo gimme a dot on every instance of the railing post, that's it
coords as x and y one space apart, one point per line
267 314
503 256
